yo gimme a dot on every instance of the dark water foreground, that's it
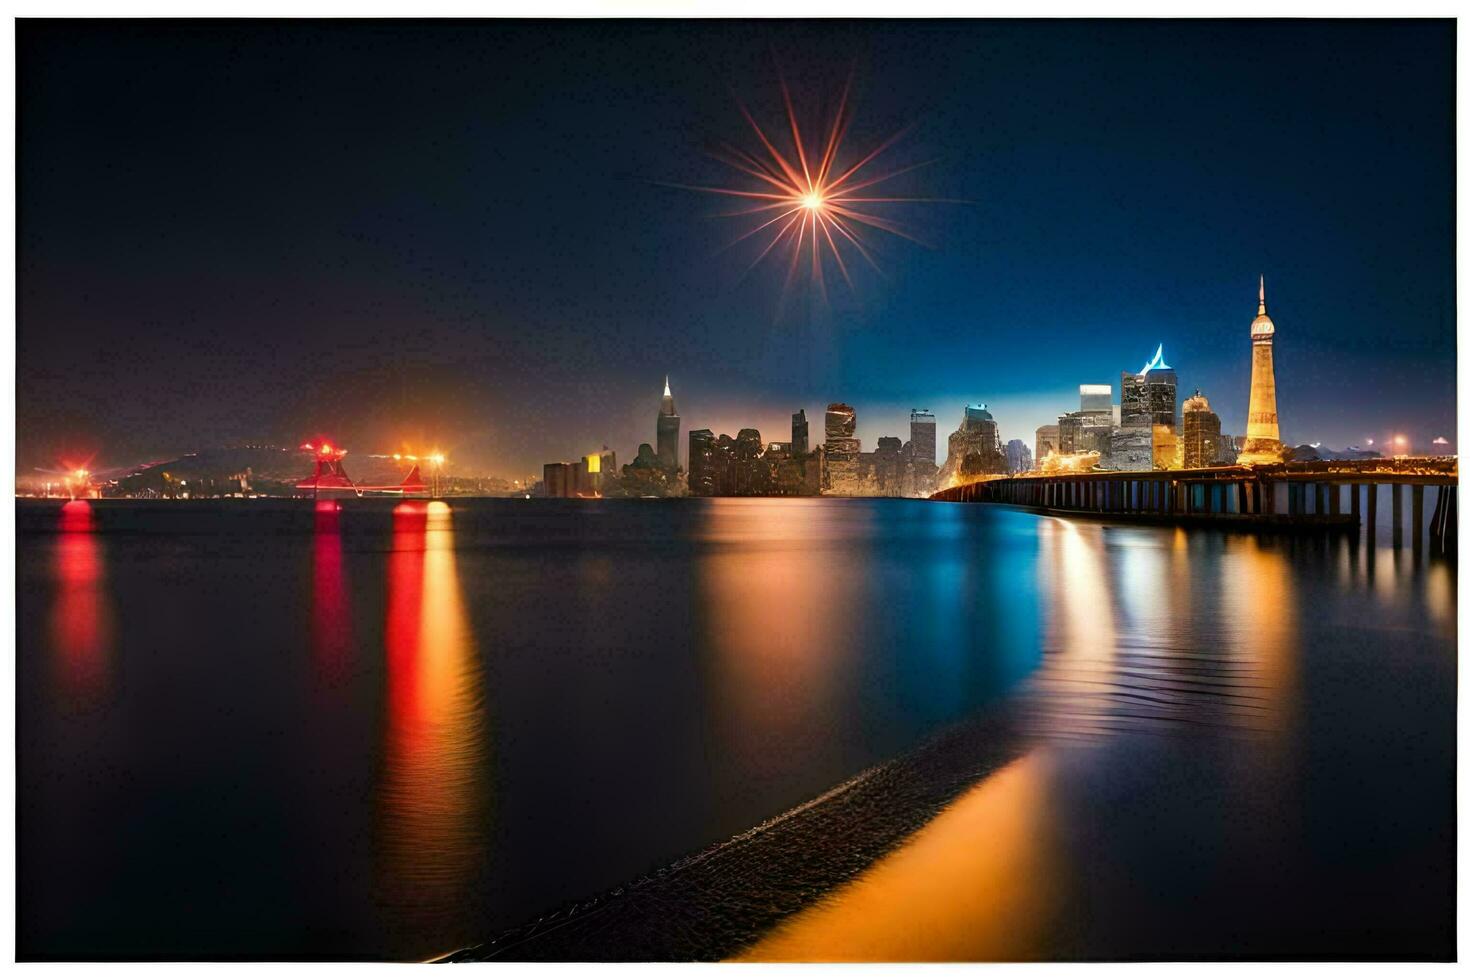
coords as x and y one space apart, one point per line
248 730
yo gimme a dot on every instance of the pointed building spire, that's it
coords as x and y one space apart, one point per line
1262 310
670 394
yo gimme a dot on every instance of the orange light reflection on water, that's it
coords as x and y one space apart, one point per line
778 659
976 883
432 804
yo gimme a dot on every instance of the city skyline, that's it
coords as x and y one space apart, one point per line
433 289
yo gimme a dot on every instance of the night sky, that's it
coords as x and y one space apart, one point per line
398 234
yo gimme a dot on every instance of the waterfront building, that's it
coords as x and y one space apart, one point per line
920 460
1018 457
1048 440
572 479
841 450
668 431
701 464
1131 447
923 432
594 475
745 466
557 479
974 448
1200 440
1262 431
887 466
799 444
1165 448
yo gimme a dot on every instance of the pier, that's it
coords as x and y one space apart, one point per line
1313 497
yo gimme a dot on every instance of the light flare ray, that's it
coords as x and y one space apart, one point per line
796 200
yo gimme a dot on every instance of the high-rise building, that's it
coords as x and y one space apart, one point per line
701 463
841 449
1148 401
1200 433
600 468
1097 398
1018 457
799 444
668 431
559 480
974 448
1262 431
923 432
1149 396
888 466
1048 440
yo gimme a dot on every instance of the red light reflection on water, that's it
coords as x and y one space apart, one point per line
431 794
331 621
81 621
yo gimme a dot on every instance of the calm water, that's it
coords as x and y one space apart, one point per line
252 730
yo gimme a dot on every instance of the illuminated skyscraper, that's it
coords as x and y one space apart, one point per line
1149 396
799 443
1262 433
841 449
1200 442
668 431
1148 406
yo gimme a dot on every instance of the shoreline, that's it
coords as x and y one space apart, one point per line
716 903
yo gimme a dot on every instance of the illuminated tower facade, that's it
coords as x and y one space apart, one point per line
1262 433
668 431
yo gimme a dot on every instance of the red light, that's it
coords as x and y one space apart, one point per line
76 515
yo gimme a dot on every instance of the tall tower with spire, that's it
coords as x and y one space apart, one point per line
668 430
1262 432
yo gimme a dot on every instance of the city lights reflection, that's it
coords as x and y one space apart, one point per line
81 620
778 676
977 883
1260 627
1071 692
331 621
432 806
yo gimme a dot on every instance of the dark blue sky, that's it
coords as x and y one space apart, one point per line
396 232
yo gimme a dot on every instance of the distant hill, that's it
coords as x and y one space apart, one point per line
268 469
1306 453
